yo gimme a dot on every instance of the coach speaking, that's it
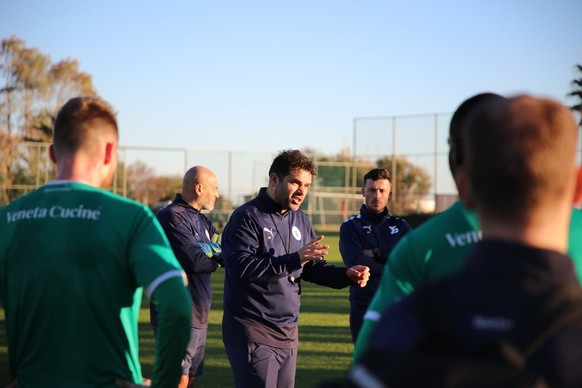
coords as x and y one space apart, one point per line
269 247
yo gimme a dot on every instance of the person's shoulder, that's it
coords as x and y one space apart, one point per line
246 208
170 210
18 202
422 238
121 201
245 213
398 220
351 220
449 218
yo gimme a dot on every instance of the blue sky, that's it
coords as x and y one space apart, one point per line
267 75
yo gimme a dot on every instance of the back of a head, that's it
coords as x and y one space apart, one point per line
290 160
520 156
80 121
458 121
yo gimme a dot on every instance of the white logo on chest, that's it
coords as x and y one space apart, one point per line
296 233
265 229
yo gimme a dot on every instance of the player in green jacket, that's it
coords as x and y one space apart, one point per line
73 260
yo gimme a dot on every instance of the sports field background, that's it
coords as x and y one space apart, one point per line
325 344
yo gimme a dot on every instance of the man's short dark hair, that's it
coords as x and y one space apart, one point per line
521 155
376 174
77 121
291 160
458 121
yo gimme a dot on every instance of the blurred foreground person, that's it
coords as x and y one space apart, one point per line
515 303
440 245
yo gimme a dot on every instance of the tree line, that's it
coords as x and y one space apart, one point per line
33 88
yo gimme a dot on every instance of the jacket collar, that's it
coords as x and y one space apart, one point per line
181 202
375 218
270 205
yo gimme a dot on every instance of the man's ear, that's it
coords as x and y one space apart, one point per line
52 153
110 151
198 189
273 179
465 192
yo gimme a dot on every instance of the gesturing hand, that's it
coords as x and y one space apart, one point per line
359 274
313 251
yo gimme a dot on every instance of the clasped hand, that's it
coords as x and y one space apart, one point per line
213 251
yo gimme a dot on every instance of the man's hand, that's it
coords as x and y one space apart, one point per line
210 249
213 251
313 251
359 274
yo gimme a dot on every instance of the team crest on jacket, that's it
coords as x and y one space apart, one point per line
296 233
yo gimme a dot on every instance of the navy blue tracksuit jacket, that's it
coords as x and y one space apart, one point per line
500 292
263 273
376 232
185 227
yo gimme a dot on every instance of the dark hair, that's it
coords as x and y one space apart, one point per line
458 121
520 155
376 174
78 121
290 160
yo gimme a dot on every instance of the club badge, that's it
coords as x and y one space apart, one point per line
296 233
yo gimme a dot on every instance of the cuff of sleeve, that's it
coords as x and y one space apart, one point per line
294 262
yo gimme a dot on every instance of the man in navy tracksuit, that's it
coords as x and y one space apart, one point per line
190 234
368 238
519 175
269 247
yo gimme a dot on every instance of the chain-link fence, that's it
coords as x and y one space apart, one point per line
419 141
